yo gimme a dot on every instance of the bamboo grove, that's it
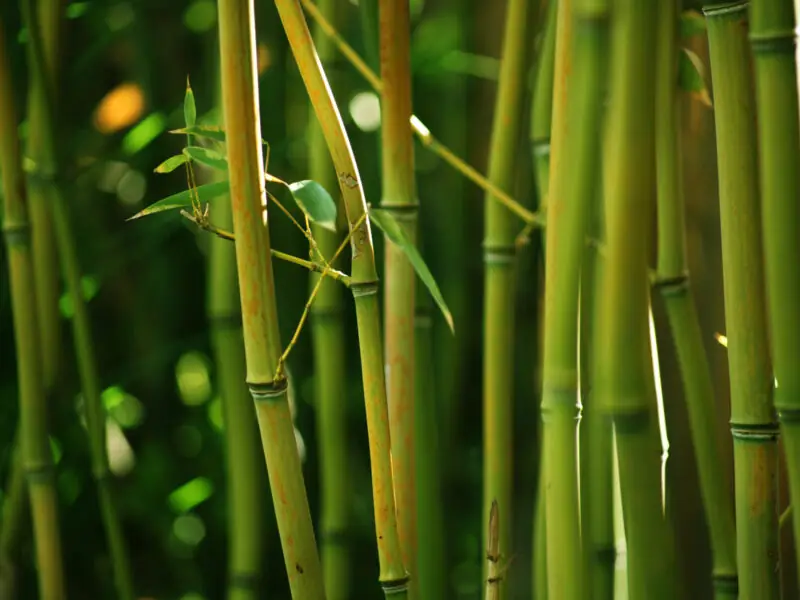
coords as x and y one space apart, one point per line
573 377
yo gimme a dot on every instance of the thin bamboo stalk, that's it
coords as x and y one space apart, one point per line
400 198
35 446
673 285
493 568
328 339
542 106
267 384
364 285
14 521
772 36
624 383
499 282
753 420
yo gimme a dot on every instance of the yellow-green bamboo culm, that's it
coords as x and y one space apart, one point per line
674 287
499 250
575 173
772 37
34 443
13 525
624 371
328 340
364 286
753 420
267 384
400 199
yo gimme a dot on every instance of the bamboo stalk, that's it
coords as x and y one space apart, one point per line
773 45
14 521
493 568
328 339
624 384
753 420
267 384
35 446
673 285
400 198
393 576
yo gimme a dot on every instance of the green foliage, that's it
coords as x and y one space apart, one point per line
692 23
207 157
691 77
189 108
202 193
172 163
315 202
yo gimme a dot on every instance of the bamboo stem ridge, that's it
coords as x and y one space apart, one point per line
625 382
773 41
753 421
257 293
499 284
35 446
673 284
364 286
399 197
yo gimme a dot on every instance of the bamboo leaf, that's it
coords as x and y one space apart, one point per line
212 132
189 108
209 158
183 199
315 201
172 163
692 23
691 76
389 226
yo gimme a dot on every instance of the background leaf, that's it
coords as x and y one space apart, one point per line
692 23
691 78
389 225
315 201
189 108
183 199
172 163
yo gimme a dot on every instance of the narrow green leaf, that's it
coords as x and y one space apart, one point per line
183 199
172 163
189 108
315 202
692 23
212 132
691 77
209 158
389 225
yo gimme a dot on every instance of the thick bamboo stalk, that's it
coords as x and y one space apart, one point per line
773 41
400 198
268 386
35 446
753 420
328 339
499 284
364 285
624 383
673 285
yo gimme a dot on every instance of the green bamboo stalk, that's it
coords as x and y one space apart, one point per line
328 339
393 576
753 420
542 106
493 567
773 44
540 534
267 384
673 285
14 521
35 446
499 283
400 198
243 471
624 384
43 84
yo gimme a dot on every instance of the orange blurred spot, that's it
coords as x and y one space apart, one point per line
119 108
264 58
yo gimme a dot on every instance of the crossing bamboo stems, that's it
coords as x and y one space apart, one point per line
673 285
34 443
364 285
753 420
267 385
624 382
399 197
772 38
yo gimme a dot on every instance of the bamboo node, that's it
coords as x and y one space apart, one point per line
364 288
243 580
541 146
673 285
789 415
725 583
725 8
269 390
17 234
334 537
755 432
41 473
606 554
773 42
231 320
395 586
500 254
402 211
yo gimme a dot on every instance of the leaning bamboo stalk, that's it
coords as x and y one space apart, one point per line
580 58
267 384
499 280
753 421
773 44
673 285
328 339
35 446
364 285
624 384
399 198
